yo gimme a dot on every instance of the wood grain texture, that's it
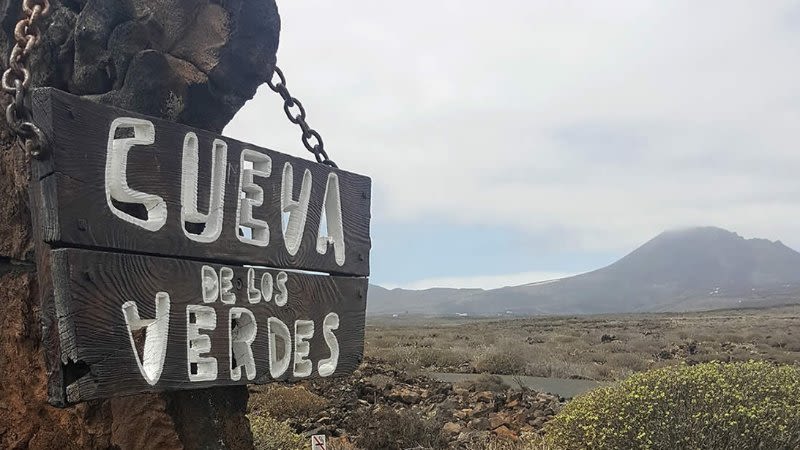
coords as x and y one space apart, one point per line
51 344
92 286
77 214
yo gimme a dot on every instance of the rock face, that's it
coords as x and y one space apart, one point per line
191 61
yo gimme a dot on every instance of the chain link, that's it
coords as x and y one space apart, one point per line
17 77
297 115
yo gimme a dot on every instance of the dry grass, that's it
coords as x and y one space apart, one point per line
502 359
337 444
271 434
484 382
572 347
285 402
527 442
396 430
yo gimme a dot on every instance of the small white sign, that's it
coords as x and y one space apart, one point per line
318 442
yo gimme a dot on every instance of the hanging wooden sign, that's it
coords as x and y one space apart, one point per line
174 258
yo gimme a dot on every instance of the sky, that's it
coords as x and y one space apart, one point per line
516 141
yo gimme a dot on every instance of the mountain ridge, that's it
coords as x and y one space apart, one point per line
686 269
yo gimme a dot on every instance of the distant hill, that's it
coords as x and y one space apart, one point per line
683 270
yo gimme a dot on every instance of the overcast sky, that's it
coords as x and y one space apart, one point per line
519 140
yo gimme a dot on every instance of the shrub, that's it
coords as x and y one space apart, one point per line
484 382
388 429
341 444
753 405
627 361
413 357
271 434
526 442
555 366
285 402
439 357
502 361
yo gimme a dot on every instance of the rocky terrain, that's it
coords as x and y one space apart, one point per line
379 401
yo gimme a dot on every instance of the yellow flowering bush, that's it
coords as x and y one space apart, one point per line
752 405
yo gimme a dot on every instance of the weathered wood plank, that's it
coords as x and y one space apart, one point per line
51 347
79 135
92 294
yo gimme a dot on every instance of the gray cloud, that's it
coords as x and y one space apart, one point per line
609 121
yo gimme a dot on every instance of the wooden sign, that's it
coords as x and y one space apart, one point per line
172 258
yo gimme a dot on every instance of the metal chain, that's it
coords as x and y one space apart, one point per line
311 139
17 77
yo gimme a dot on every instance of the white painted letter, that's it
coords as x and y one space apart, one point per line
326 367
283 293
225 294
207 226
210 284
297 210
201 368
252 195
150 210
241 334
266 286
276 329
155 340
253 294
331 228
303 331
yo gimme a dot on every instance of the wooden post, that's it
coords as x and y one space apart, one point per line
190 61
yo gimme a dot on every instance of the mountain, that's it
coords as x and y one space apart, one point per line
682 270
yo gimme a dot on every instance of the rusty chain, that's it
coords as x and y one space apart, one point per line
16 79
310 137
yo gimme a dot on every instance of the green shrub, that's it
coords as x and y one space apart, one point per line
753 405
271 434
